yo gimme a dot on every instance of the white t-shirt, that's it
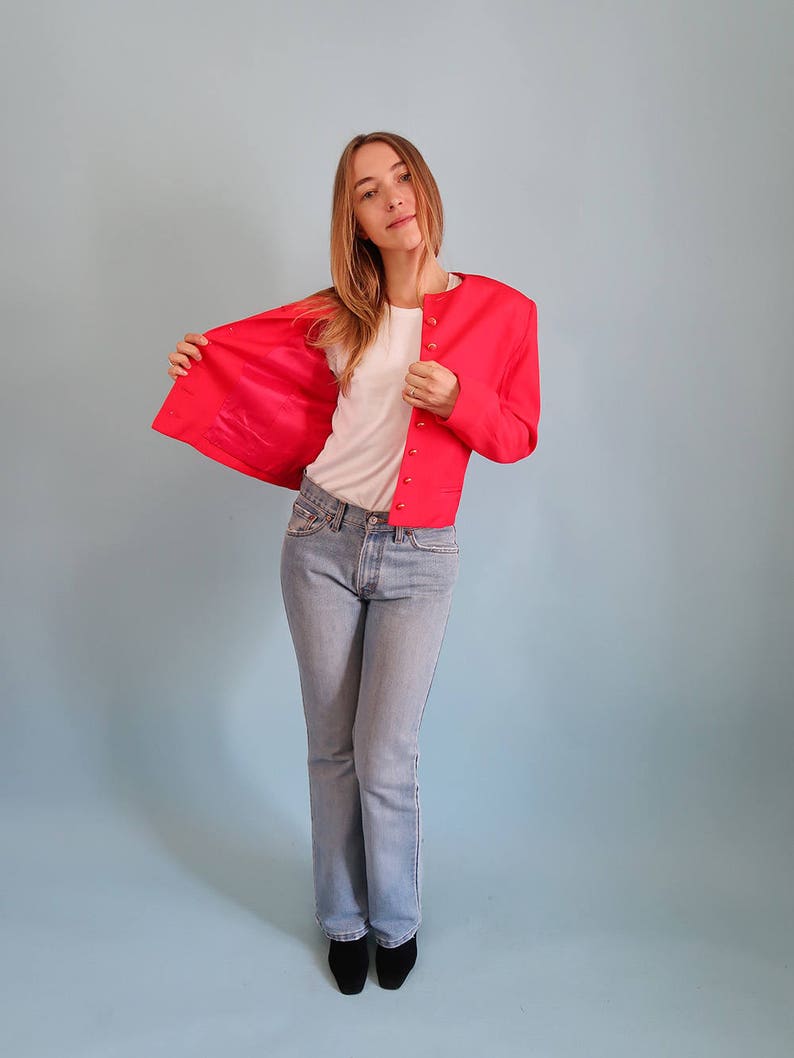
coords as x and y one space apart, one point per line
361 457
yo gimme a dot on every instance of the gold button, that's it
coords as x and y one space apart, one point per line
420 424
400 506
432 321
432 345
406 480
412 452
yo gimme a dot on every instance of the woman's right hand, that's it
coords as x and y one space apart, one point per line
179 360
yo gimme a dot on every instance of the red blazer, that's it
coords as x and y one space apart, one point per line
261 400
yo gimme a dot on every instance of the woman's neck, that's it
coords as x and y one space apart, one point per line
401 288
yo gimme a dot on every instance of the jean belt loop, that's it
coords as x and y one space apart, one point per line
336 521
398 534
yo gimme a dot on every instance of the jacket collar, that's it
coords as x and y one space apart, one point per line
447 293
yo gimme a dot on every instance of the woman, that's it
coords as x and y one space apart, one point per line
368 397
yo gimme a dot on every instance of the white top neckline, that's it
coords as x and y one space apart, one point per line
453 281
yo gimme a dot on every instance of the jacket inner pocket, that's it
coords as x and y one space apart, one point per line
246 417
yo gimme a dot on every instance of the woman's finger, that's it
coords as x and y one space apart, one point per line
178 364
189 349
179 360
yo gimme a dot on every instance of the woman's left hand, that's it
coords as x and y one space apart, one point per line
435 387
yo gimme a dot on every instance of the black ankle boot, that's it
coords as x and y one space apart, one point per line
394 964
349 962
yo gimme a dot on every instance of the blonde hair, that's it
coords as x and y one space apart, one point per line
349 313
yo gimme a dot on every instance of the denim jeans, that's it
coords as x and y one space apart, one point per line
367 606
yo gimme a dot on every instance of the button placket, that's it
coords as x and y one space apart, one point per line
431 321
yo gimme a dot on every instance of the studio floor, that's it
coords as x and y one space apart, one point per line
130 937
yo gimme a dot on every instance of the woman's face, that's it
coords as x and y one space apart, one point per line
382 192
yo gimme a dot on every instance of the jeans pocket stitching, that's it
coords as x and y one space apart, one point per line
309 525
439 549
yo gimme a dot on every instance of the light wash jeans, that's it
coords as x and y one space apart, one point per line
367 606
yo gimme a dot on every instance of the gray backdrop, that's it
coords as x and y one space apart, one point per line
606 754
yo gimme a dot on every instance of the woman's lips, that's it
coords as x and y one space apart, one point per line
399 223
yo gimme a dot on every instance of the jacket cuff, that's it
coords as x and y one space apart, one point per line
474 401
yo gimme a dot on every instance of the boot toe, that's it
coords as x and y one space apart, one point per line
349 962
394 964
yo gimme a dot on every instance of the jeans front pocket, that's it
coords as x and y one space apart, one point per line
306 518
443 540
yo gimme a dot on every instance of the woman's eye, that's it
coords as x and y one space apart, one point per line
371 192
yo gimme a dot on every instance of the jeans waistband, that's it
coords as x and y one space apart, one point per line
340 510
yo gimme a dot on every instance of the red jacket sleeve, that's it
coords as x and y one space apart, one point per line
502 424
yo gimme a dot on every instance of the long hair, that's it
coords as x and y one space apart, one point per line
349 313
